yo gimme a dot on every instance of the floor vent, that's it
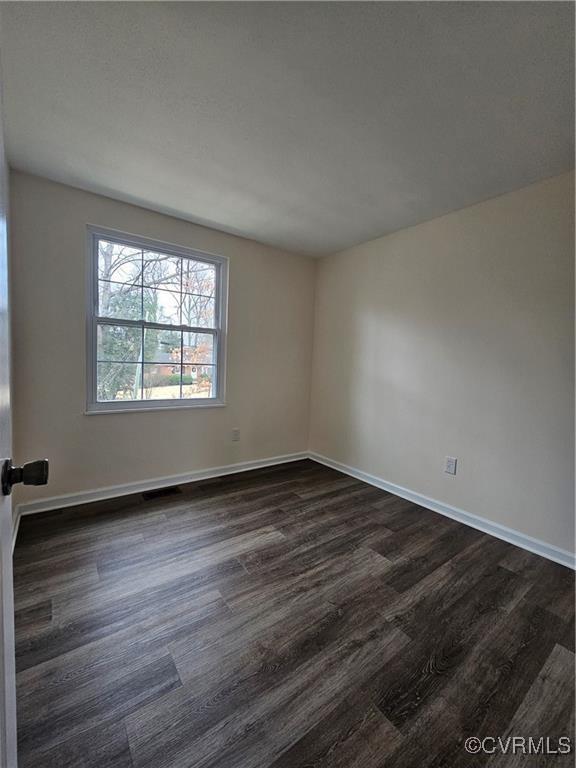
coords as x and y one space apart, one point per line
160 493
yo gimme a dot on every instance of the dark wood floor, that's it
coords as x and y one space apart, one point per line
287 617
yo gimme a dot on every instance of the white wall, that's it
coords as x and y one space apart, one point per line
455 337
269 349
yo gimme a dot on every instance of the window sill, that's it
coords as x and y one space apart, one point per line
91 411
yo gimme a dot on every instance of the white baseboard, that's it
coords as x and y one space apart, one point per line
510 535
113 491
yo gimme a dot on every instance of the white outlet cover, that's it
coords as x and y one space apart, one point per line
450 465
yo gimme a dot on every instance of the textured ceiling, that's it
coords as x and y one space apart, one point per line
311 126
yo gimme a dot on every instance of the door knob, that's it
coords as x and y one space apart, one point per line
32 473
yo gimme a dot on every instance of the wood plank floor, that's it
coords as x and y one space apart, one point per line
283 618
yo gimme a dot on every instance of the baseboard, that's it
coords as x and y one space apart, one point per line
113 491
510 535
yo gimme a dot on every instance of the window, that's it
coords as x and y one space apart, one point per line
156 324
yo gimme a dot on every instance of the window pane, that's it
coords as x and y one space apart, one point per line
161 271
118 381
161 382
198 311
198 278
198 348
122 263
119 300
119 342
161 306
162 346
197 381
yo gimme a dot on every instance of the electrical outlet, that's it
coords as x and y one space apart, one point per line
235 435
450 465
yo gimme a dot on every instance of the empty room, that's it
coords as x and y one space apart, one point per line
287 384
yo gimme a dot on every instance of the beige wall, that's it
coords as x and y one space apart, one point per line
455 337
269 349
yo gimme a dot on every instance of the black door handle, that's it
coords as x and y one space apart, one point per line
32 473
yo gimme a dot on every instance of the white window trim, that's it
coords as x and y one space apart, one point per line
93 406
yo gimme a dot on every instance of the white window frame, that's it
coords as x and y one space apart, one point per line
94 406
